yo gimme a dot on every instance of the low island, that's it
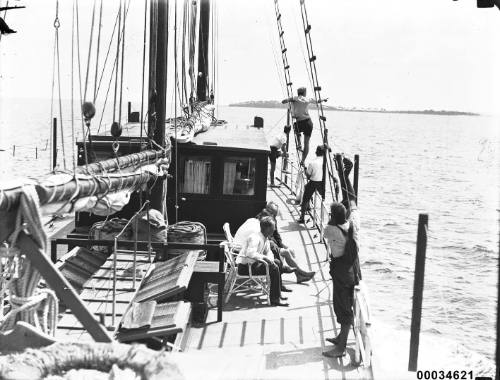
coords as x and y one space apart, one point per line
277 104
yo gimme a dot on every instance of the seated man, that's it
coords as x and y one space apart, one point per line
251 226
285 253
254 251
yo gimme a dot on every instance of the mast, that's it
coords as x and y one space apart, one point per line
202 82
158 87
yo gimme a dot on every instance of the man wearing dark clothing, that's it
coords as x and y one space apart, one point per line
339 231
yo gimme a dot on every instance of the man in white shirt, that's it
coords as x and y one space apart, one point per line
255 251
314 174
278 148
303 122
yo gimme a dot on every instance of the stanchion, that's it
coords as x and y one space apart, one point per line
418 289
356 176
54 144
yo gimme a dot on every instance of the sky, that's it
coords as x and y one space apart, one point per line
393 54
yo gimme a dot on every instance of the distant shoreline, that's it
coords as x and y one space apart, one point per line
276 104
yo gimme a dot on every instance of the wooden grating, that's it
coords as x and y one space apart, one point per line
168 318
168 278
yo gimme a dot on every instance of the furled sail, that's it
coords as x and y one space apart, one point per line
183 129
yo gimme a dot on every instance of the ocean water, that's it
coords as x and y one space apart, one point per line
445 166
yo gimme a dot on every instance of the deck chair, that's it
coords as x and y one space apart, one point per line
249 281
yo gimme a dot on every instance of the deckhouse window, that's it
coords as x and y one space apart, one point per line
239 176
195 174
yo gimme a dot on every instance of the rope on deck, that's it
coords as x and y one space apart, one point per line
105 357
38 307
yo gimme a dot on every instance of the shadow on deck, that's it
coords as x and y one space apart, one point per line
258 341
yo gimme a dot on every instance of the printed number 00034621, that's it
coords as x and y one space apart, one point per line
451 375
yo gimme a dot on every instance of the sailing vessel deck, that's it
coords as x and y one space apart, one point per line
96 295
257 341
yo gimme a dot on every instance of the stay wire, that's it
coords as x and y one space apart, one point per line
122 66
110 78
117 60
97 52
107 55
175 114
89 52
276 64
84 137
57 25
143 72
183 56
301 44
107 94
73 142
52 148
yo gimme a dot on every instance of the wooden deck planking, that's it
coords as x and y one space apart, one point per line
274 342
97 295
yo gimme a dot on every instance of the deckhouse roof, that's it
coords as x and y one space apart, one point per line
233 136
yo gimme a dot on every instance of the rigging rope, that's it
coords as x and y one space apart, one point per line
287 77
97 52
192 50
122 66
317 91
24 297
175 114
107 94
75 7
115 62
73 141
57 24
117 59
107 55
212 58
301 45
52 101
185 13
89 53
143 74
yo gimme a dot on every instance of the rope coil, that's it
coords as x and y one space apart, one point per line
20 278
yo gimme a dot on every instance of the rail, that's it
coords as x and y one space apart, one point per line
115 256
319 215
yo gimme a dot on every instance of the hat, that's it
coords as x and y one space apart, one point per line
272 208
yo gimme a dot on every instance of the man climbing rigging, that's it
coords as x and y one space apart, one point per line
303 123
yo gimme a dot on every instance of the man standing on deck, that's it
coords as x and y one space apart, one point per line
278 148
303 123
314 174
344 266
254 251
